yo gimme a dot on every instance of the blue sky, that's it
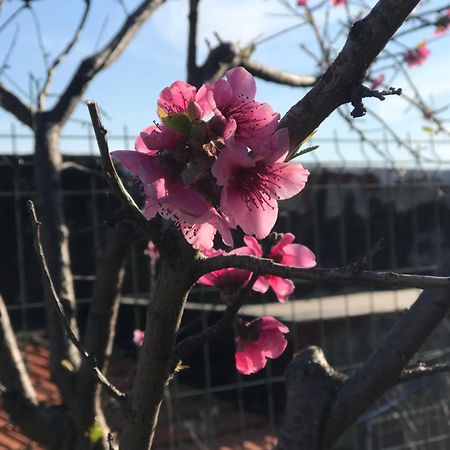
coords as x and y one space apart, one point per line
128 90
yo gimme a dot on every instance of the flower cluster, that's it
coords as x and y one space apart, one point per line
442 23
418 55
262 338
216 161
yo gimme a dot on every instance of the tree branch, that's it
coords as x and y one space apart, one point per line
150 227
51 70
93 64
11 103
422 369
319 274
366 40
13 374
278 76
192 42
47 425
90 360
385 366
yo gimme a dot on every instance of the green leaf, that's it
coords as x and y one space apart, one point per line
178 122
301 152
428 129
95 432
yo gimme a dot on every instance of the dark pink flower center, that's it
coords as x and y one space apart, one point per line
258 185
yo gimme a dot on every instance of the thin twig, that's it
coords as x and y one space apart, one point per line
422 369
113 179
185 347
52 68
90 360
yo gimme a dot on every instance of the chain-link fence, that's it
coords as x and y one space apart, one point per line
359 192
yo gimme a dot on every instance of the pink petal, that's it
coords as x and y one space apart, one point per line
221 96
293 178
141 145
258 220
231 158
175 98
251 360
270 323
272 344
286 239
298 255
262 285
254 245
282 287
242 83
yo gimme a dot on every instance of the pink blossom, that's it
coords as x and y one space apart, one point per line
418 55
152 252
228 280
301 2
237 113
258 340
179 98
253 182
338 2
138 337
377 81
168 196
282 252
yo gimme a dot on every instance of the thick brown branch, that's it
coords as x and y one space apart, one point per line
384 367
278 76
318 274
112 390
366 40
92 65
11 103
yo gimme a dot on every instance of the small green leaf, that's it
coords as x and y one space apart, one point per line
428 129
178 122
95 432
301 152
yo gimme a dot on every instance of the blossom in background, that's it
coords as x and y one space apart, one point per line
282 252
338 2
377 81
138 337
258 340
252 183
301 2
442 23
418 55
152 252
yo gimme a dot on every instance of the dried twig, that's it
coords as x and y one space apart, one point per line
52 67
90 360
184 348
422 369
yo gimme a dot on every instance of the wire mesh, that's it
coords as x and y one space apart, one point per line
353 199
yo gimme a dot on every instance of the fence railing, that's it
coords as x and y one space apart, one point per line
356 195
